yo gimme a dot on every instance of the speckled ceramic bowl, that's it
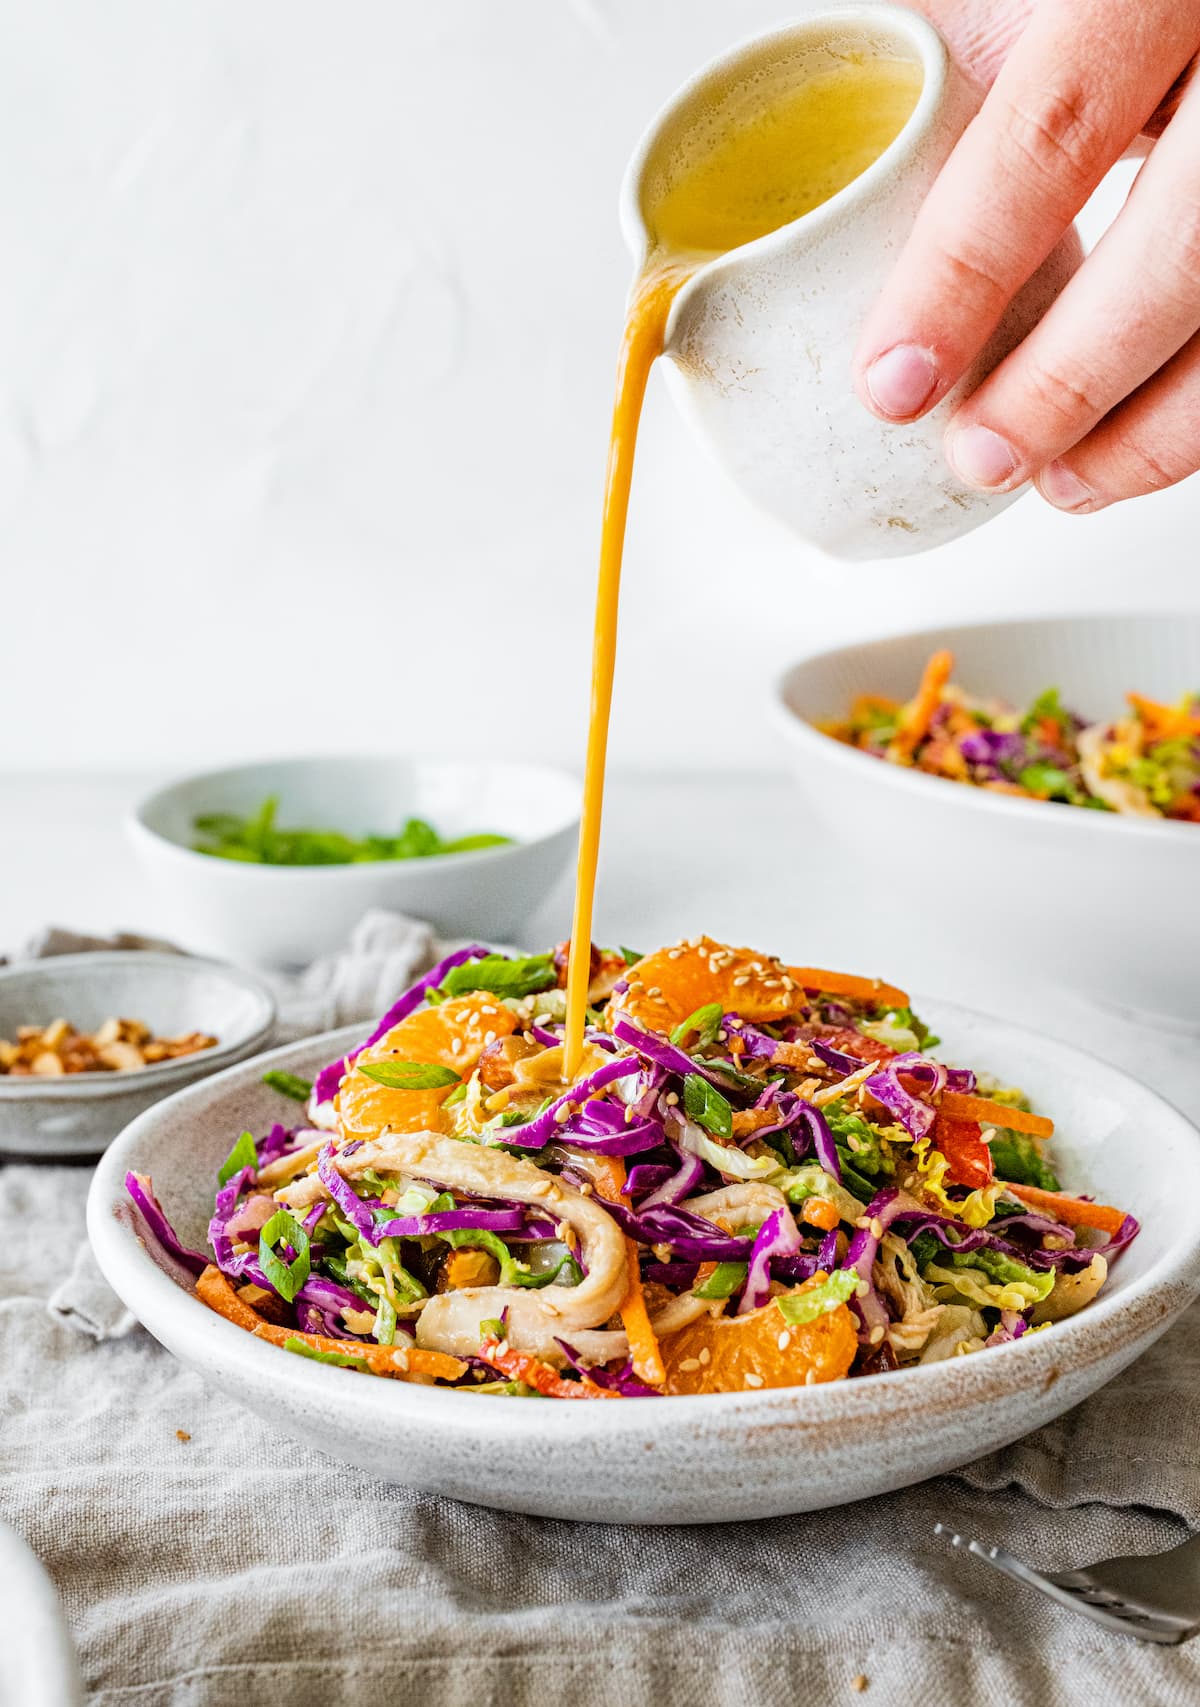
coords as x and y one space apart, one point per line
76 1114
39 1667
729 1456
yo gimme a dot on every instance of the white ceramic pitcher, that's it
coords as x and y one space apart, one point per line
760 340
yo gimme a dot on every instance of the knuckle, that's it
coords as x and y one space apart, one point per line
1071 398
1142 466
1057 133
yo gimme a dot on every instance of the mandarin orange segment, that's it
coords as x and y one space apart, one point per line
734 1354
454 1034
667 986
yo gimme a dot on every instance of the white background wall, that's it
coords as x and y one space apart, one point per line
307 322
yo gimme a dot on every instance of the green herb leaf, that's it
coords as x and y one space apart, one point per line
726 1279
473 844
705 1022
285 1277
1047 779
799 1308
491 1328
524 976
707 1107
243 1155
259 840
631 955
288 1085
409 1075
341 1359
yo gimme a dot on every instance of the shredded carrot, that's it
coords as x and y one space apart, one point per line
643 1342
521 1366
400 1362
960 1106
1164 722
918 717
848 984
819 1212
1073 1211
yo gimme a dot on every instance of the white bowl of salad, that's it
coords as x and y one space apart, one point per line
275 862
778 1245
1040 778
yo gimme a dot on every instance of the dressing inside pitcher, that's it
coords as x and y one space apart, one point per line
778 143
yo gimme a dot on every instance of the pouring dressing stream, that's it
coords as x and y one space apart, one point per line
747 168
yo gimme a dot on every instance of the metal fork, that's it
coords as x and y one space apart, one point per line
1155 1597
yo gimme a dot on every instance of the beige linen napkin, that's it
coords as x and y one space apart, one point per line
205 1559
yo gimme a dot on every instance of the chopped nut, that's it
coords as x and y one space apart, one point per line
47 1063
182 1434
118 1045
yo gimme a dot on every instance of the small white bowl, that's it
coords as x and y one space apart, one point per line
285 915
39 1665
715 1459
76 1114
1102 904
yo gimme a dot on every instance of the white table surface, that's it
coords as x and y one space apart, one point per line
724 854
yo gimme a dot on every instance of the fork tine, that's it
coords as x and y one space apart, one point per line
1076 1591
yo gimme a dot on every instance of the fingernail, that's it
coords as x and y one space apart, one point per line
981 457
901 380
1063 489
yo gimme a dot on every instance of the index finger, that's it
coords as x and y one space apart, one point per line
1077 88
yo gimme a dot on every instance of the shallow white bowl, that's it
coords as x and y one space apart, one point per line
1104 905
283 915
76 1114
38 1667
715 1459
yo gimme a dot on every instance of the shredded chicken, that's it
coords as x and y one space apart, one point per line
450 1321
1071 1292
1122 796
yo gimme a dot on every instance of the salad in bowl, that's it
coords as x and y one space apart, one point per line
760 1176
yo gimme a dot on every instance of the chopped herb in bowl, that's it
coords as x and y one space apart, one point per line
258 840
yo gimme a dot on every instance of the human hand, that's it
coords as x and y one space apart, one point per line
1101 401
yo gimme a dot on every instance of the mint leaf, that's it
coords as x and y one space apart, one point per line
409 1075
525 975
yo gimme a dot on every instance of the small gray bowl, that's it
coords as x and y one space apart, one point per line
77 1114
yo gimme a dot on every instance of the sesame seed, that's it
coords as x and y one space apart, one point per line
489 1037
456 1046
654 990
810 1377
859 1683
400 1358
862 1221
876 1335
876 1227
742 978
784 1340
690 1363
853 1143
705 1354
754 1380
722 1037
674 954
563 1113
672 1099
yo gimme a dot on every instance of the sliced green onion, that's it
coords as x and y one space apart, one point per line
288 1085
341 1359
243 1155
726 1279
286 1277
707 1107
800 1308
705 1022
